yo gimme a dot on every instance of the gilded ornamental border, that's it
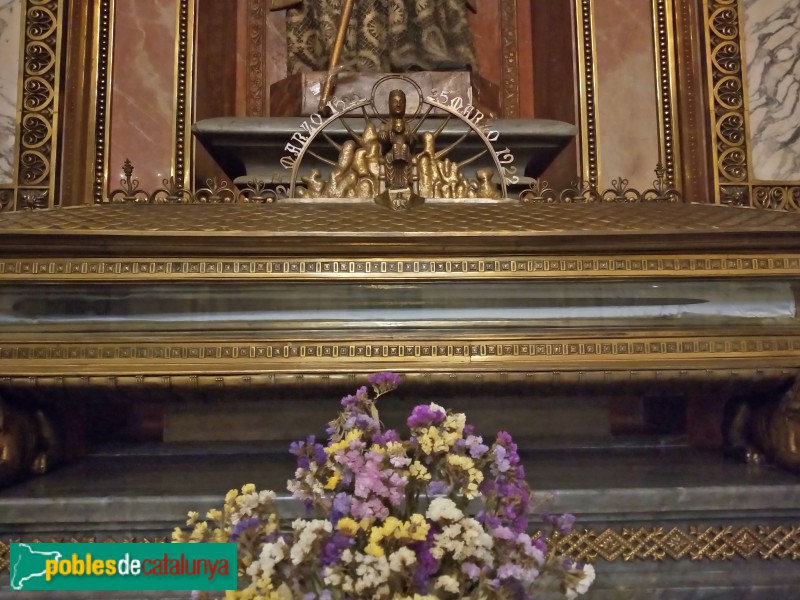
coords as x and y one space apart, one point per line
37 143
734 182
66 358
722 543
315 269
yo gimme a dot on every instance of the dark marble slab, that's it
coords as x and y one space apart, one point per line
153 487
250 148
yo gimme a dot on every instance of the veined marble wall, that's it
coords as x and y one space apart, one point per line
143 91
626 97
772 52
10 33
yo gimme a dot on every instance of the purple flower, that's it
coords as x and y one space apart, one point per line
384 382
471 570
381 439
308 450
242 526
563 523
503 533
437 488
332 548
424 416
427 564
477 449
354 401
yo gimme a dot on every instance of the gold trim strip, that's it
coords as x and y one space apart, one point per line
105 40
510 58
47 269
256 40
299 378
666 76
182 139
566 352
721 543
587 101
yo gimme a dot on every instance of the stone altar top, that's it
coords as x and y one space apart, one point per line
249 148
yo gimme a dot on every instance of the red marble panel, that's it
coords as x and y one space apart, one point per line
627 105
142 102
485 24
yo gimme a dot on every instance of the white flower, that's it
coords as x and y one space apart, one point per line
443 509
447 583
402 558
437 408
271 554
373 572
307 532
580 582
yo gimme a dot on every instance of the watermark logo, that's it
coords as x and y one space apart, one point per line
112 566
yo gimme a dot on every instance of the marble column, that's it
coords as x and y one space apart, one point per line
772 51
10 34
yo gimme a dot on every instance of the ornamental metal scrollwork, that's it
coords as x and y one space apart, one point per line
540 192
777 197
214 192
34 167
35 130
37 146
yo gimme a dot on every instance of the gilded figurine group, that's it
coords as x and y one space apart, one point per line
383 164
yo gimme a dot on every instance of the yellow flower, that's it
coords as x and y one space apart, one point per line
418 527
419 471
390 525
214 514
347 526
352 435
374 550
193 515
333 480
248 488
177 535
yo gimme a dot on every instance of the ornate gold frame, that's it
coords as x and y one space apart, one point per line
38 108
734 182
665 48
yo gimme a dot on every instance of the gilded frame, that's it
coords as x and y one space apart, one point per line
665 51
35 157
732 167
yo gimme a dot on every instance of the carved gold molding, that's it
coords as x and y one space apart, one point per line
693 543
49 269
105 21
184 53
734 182
140 355
721 543
38 108
587 101
666 75
300 379
510 58
256 58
